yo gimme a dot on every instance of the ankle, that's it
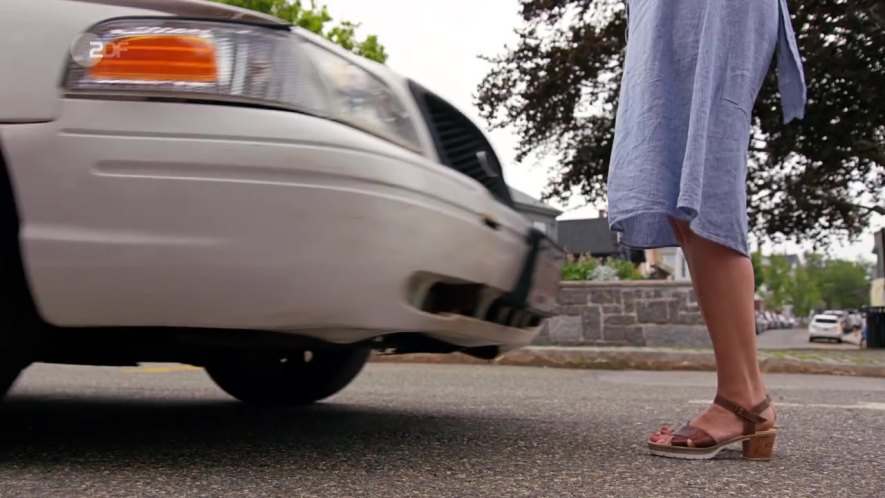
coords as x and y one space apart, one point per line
747 396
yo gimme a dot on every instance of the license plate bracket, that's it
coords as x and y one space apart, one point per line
538 284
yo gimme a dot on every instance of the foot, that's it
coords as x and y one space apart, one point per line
718 422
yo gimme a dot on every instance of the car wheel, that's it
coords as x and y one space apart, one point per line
18 334
21 329
289 379
11 360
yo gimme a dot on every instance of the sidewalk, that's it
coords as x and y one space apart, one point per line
859 362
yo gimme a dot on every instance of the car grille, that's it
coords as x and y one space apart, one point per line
461 145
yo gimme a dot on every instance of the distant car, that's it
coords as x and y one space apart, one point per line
761 323
785 321
825 326
842 315
190 182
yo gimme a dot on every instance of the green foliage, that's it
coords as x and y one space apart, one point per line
843 284
317 20
557 87
758 272
583 268
778 281
804 293
626 270
579 269
816 284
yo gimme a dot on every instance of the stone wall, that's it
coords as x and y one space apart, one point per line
629 313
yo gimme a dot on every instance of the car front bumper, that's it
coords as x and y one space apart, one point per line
182 215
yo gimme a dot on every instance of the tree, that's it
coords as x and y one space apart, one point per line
835 283
844 284
778 276
316 19
558 88
758 270
816 284
804 292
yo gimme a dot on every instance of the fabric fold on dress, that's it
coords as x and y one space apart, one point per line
790 76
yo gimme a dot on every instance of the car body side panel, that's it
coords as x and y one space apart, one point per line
164 214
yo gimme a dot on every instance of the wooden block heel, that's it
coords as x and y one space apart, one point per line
759 447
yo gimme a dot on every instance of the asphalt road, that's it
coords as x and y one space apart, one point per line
798 339
422 430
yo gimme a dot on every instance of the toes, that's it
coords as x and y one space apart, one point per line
661 439
664 430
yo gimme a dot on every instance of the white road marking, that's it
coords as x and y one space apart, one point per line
856 406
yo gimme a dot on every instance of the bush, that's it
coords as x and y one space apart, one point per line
587 267
625 269
603 273
579 269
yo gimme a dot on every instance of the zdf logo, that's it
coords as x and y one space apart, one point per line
88 49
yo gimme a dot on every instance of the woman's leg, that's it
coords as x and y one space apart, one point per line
723 282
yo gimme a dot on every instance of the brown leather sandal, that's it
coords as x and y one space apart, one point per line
758 445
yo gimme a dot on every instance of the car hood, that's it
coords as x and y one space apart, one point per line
202 9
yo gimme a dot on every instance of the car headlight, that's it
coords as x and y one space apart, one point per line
235 63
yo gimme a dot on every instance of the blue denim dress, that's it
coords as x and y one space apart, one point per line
692 72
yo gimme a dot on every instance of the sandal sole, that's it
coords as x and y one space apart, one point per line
684 453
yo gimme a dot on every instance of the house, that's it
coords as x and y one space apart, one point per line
542 216
667 262
592 236
877 287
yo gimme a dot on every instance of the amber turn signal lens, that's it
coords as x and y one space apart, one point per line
188 59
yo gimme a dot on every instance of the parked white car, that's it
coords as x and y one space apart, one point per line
825 327
854 321
761 323
186 181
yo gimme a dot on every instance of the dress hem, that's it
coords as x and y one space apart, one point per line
616 224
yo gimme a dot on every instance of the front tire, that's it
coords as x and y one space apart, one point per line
289 379
8 374
21 329
17 342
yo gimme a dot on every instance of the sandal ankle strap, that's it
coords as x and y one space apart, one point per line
749 415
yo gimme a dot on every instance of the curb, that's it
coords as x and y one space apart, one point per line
634 359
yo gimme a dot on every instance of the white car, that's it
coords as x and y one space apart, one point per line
825 327
186 181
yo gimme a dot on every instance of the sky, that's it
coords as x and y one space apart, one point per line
438 44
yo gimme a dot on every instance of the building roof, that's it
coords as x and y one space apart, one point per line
587 236
526 201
